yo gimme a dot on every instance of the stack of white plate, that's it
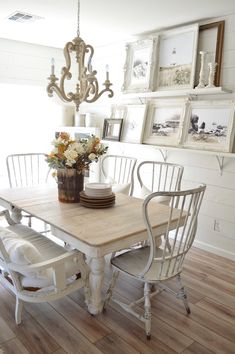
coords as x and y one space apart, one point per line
98 190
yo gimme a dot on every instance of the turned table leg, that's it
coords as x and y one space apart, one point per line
96 280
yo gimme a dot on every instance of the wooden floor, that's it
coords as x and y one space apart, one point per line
66 327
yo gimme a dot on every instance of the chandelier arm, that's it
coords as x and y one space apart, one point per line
111 93
65 72
53 87
90 49
94 90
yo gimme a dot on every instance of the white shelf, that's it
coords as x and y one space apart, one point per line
79 130
180 92
220 155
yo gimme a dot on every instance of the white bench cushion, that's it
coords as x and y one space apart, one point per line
160 199
32 247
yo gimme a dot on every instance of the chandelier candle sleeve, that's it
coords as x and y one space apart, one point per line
107 71
52 66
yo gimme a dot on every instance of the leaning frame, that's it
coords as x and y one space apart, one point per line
139 68
174 47
209 125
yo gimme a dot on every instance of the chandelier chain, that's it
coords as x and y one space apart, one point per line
78 26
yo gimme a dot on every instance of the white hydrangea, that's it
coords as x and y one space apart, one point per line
76 147
92 156
71 156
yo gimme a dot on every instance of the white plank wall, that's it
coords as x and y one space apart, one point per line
25 63
216 230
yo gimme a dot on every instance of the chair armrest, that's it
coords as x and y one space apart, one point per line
7 215
45 264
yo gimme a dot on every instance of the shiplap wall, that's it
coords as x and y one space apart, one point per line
25 63
216 228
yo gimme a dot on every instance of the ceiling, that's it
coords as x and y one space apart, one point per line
102 21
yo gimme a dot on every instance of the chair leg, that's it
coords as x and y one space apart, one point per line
168 245
147 310
18 310
109 292
182 295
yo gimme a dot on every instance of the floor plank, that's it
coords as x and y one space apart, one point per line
13 346
65 326
218 309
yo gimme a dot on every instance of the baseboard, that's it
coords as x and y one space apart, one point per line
215 250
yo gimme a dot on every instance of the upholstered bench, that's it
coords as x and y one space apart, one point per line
37 269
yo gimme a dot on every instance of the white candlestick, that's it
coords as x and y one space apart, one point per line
52 66
202 77
212 68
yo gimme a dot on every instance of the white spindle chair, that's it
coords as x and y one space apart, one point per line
119 171
53 274
155 176
155 265
159 176
27 170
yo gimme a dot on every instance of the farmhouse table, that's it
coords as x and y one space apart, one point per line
95 232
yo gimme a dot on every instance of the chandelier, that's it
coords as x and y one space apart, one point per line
87 87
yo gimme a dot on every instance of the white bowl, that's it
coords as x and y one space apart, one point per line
98 189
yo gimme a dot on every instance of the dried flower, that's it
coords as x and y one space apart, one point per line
78 154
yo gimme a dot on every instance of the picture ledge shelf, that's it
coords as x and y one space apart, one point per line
180 92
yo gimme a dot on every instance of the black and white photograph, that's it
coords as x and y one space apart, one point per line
164 123
210 126
140 65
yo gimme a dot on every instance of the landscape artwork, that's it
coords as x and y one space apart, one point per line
210 128
164 125
177 58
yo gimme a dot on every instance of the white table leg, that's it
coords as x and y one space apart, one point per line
96 280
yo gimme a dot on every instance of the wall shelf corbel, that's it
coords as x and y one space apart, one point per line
164 153
220 160
220 156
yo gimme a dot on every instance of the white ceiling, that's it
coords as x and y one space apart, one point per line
102 21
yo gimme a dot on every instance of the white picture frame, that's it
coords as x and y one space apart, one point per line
139 68
164 122
177 58
209 125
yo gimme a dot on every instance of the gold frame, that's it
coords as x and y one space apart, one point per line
219 45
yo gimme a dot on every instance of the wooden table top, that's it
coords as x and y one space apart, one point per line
95 227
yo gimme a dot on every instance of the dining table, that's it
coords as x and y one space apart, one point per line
96 232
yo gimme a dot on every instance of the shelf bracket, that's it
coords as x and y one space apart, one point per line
142 100
164 154
220 160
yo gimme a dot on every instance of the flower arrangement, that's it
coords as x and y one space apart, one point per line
77 154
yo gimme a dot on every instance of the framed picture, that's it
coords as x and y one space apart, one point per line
140 65
209 125
164 122
133 121
177 58
210 40
112 129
